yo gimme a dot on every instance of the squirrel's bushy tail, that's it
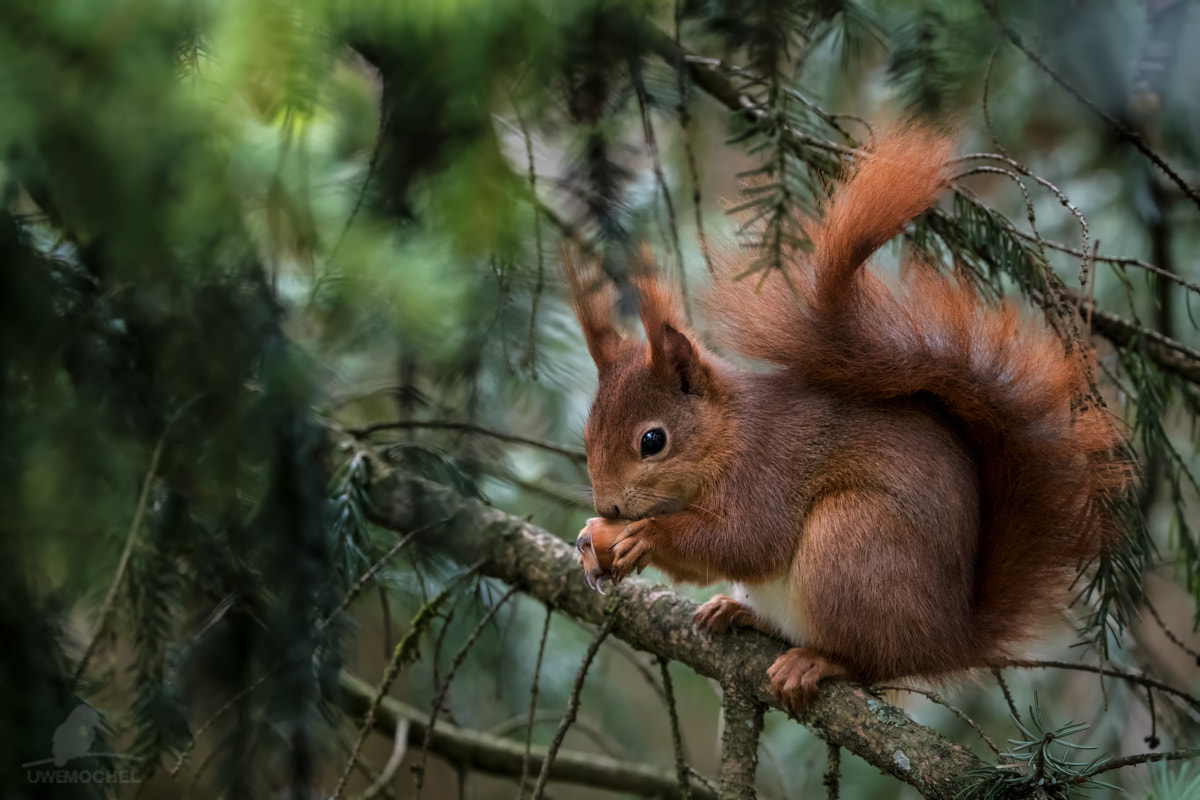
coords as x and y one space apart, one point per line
1049 464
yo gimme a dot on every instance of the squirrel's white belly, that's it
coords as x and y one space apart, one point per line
776 604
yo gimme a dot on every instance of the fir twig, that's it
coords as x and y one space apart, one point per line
440 699
685 126
399 746
1130 677
635 70
1008 698
533 696
572 705
1175 640
110 598
467 427
406 652
681 766
958 712
1129 761
1130 136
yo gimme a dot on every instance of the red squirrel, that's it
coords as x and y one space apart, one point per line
910 490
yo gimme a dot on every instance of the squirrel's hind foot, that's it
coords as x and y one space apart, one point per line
795 676
721 614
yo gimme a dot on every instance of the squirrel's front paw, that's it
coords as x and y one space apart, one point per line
594 544
631 551
611 549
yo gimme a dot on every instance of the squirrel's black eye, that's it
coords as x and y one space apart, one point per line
653 441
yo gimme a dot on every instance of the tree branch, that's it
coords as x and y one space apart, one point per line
1126 133
707 74
466 427
658 620
739 743
499 756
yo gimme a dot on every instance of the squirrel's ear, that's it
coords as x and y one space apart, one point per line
676 359
592 298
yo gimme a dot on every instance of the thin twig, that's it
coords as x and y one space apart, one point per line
661 179
531 356
110 599
220 712
681 766
941 701
1129 761
631 655
685 122
1170 635
467 427
365 578
404 653
1131 136
361 195
1008 698
368 770
440 699
533 695
385 610
1140 680
572 705
437 646
593 730
399 746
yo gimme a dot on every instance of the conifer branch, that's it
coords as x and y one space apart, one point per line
1167 353
1131 136
468 427
110 598
499 756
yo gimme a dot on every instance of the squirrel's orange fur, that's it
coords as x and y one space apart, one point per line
911 490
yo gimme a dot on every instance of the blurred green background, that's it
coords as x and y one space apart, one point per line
236 235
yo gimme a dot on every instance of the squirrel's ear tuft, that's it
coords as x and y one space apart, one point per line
660 304
673 356
677 359
592 298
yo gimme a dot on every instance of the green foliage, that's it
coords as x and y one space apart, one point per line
236 235
1039 765
1173 784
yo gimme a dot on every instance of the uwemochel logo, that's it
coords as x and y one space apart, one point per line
73 741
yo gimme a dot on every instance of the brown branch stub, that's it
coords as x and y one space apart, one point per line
739 743
658 620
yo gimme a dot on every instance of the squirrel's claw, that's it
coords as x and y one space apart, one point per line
796 675
594 571
596 580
